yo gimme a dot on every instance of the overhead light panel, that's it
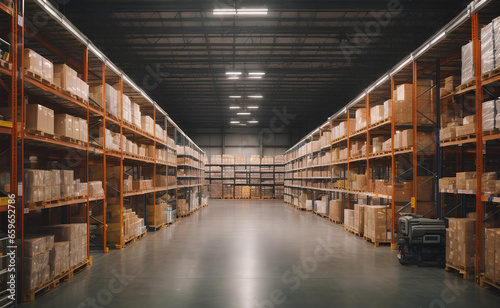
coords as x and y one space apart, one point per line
256 73
255 77
234 78
224 12
233 73
234 96
235 122
253 107
243 125
253 122
252 12
255 96
243 113
234 107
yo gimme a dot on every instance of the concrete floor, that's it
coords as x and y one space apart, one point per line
259 254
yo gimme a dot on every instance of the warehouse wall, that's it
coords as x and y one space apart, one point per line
241 141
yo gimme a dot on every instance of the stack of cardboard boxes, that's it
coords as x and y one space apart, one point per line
255 160
71 127
404 139
133 226
359 218
321 205
491 115
461 242
336 211
468 71
349 218
182 208
492 254
490 45
36 260
377 225
360 119
67 78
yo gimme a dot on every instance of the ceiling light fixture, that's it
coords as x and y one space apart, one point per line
253 122
233 73
235 122
243 113
224 12
255 96
234 107
234 96
253 107
243 125
256 73
233 78
255 77
252 12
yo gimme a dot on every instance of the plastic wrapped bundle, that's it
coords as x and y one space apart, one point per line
487 49
349 218
467 63
490 115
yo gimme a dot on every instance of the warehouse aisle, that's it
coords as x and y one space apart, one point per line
259 254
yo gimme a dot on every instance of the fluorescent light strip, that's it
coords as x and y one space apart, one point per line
255 77
235 96
233 78
243 113
234 107
233 73
255 96
224 12
253 107
252 12
253 122
235 122
256 74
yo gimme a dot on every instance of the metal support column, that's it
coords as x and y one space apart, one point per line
438 138
479 145
415 144
393 169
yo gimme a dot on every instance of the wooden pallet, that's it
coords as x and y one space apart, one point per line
158 227
41 134
465 85
492 132
491 74
185 215
467 273
388 120
131 241
33 75
375 242
336 222
352 231
54 282
72 140
459 138
321 215
488 283
403 149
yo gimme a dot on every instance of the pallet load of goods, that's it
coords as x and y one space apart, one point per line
52 251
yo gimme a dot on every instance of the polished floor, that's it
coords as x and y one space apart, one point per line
259 254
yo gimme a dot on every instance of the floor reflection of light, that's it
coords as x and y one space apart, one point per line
247 262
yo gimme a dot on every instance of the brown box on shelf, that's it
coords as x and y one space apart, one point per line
63 125
402 192
376 114
33 61
240 159
448 133
255 160
451 83
447 183
40 118
461 182
466 130
471 184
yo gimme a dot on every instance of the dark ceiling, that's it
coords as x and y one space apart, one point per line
317 55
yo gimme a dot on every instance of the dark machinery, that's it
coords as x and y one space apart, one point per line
421 240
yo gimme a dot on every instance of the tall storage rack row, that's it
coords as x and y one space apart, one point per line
237 178
89 152
192 194
422 139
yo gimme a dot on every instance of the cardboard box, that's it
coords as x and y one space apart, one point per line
47 70
66 77
466 130
451 83
63 125
491 119
376 114
360 119
359 214
468 67
448 133
336 210
469 120
39 118
33 62
462 177
387 109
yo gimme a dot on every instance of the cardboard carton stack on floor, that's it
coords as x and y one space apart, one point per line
349 218
255 191
74 234
336 211
359 218
161 214
461 242
378 223
321 205
492 254
36 260
133 226
182 207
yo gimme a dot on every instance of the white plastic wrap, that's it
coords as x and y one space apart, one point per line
490 115
487 49
467 63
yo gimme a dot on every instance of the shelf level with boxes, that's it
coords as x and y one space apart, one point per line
241 177
422 155
98 154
